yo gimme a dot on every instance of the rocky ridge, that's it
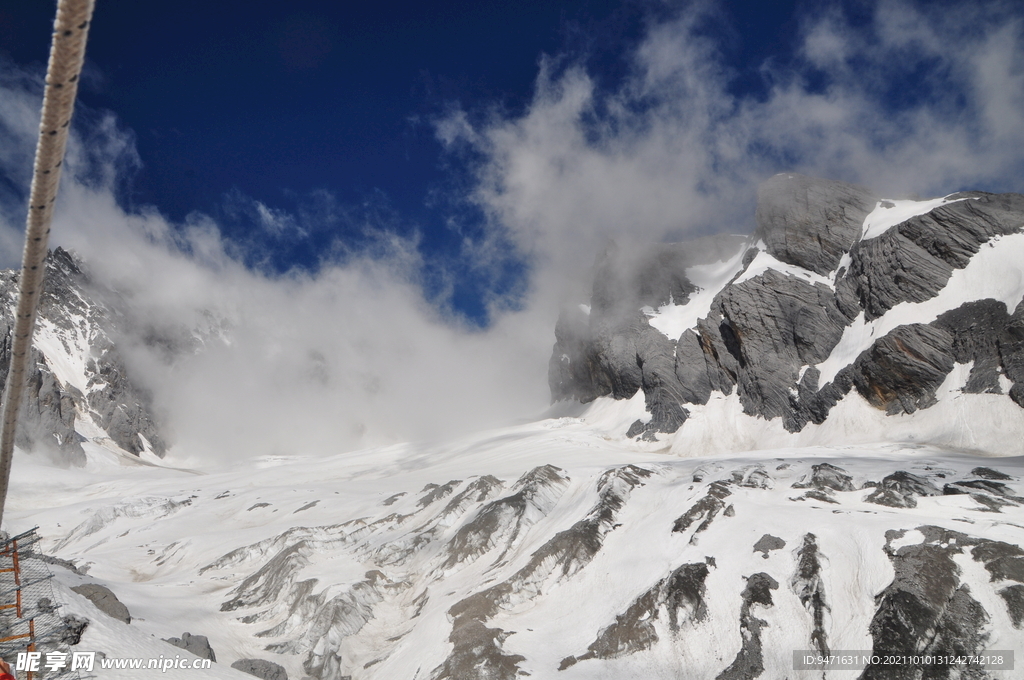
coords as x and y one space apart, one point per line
79 388
827 261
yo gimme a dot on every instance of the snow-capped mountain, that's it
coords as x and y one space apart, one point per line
79 388
763 449
914 306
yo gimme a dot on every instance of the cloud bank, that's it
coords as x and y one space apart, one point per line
903 97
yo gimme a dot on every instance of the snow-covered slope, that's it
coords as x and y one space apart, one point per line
547 549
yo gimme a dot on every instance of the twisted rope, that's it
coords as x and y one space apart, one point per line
67 52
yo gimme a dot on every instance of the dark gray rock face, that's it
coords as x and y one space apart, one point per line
901 490
655 356
762 331
120 407
809 586
575 370
105 601
679 598
763 336
768 543
1013 596
84 318
267 670
826 477
749 661
46 422
810 222
985 333
989 473
902 370
705 510
603 352
913 261
194 644
927 609
74 627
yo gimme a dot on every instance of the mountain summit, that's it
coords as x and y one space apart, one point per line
79 390
909 304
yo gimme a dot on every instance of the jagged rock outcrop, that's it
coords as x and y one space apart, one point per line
74 627
194 644
927 608
86 378
478 653
818 267
810 222
105 600
809 586
749 661
913 260
261 668
679 598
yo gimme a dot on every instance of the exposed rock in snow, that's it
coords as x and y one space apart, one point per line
926 607
705 510
749 661
901 490
679 598
501 522
261 668
826 477
767 543
105 601
809 586
194 644
74 626
914 260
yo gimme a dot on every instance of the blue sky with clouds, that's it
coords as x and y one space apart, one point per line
297 124
409 192
305 128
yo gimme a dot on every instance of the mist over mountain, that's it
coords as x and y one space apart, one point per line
913 305
78 385
764 449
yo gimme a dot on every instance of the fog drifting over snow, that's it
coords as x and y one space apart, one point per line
356 354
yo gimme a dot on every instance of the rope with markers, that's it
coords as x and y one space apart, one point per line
67 53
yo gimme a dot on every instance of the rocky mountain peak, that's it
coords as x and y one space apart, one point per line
810 222
79 390
837 291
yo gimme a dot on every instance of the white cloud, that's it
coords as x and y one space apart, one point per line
300 363
916 98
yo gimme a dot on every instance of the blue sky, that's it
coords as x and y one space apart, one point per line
327 111
385 206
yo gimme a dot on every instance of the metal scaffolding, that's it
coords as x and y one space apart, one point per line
30 620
